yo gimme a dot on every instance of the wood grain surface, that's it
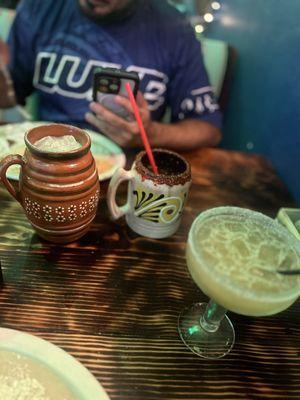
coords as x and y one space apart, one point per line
112 299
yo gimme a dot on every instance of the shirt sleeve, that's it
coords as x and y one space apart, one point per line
20 41
190 94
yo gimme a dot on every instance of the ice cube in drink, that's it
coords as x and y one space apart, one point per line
57 144
233 255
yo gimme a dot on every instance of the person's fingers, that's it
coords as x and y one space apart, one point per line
4 52
114 120
141 101
108 116
120 137
93 120
125 102
125 133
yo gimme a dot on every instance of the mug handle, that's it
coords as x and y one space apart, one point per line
119 176
4 165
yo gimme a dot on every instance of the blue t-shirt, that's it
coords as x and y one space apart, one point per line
55 48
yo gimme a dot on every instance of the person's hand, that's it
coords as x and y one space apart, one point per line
7 93
124 132
4 53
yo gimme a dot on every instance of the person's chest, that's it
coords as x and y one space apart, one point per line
67 56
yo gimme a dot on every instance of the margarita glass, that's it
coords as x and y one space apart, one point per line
234 255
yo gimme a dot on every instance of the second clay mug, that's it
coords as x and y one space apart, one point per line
154 201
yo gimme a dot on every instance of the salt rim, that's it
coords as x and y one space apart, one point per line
170 179
243 213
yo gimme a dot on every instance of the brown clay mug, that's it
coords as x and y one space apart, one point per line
59 191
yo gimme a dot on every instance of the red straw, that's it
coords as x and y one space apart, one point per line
142 129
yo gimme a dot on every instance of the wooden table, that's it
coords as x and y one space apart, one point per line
112 299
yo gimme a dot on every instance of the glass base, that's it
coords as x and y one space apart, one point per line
205 344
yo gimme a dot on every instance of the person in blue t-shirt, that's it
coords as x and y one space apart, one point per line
56 45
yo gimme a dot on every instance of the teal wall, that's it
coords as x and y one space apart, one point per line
263 114
184 6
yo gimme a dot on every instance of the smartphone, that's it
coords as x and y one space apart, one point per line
109 82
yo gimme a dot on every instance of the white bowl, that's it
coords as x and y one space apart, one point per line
67 368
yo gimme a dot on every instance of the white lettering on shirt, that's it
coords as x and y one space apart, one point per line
69 76
53 75
200 101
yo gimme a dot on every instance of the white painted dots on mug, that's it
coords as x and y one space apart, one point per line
61 214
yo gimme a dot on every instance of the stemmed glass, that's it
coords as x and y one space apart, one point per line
233 255
206 330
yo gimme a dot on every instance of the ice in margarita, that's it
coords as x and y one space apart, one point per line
233 255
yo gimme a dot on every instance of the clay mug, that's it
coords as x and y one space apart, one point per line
154 201
59 191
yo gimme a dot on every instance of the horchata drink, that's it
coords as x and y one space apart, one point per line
233 255
57 144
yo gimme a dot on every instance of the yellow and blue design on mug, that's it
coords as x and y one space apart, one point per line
154 202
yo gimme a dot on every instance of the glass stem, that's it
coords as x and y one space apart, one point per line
212 317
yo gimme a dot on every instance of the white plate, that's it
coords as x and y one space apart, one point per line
108 155
72 372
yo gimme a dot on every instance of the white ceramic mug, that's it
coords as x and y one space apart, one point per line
154 201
